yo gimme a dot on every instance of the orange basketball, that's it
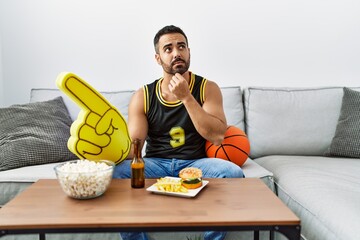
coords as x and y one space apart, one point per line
234 148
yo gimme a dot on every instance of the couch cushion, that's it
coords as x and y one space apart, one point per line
233 106
252 169
346 142
34 133
323 192
33 173
291 121
29 173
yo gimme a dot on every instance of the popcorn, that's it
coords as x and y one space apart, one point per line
83 178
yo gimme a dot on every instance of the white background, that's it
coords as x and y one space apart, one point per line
287 43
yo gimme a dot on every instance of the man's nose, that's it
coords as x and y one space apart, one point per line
176 54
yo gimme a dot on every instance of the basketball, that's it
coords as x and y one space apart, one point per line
234 148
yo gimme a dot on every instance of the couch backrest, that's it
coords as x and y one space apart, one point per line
288 121
232 101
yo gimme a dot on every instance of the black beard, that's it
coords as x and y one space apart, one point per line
171 70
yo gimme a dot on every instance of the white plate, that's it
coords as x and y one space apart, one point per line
191 192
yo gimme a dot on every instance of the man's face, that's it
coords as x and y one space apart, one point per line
174 54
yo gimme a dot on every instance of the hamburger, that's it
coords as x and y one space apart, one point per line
191 177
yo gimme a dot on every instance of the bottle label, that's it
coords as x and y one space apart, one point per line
137 176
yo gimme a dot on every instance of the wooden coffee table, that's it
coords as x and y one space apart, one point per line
223 205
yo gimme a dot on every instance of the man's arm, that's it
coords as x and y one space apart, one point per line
209 120
137 121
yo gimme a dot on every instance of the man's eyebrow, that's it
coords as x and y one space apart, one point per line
167 45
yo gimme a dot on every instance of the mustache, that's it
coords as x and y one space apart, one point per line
177 60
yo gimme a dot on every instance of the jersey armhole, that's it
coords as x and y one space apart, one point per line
202 91
146 99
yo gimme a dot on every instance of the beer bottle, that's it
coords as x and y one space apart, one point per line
137 166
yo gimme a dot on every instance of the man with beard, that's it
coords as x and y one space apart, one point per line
176 114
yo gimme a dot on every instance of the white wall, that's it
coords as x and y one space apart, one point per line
1 74
240 42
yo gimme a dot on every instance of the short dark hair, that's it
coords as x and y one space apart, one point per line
167 30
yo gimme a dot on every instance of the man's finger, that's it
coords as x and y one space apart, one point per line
82 93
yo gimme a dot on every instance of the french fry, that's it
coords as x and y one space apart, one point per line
170 185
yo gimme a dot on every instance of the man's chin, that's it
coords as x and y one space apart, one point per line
180 70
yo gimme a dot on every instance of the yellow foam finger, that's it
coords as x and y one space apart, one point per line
100 129
87 132
88 149
82 93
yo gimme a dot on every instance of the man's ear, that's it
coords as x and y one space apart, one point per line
157 57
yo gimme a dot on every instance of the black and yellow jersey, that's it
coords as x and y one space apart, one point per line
171 132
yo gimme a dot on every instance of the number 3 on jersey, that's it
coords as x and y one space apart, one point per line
178 137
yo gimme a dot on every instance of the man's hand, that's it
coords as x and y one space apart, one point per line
179 87
100 131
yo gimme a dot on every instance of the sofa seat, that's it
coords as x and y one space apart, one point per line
324 192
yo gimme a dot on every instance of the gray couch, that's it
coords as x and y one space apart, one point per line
290 130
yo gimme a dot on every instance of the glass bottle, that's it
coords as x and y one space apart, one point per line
137 166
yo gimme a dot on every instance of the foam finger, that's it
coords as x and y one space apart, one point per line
82 93
87 148
88 133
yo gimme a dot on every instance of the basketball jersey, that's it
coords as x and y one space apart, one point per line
171 133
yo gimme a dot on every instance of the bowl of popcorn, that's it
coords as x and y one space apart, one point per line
84 179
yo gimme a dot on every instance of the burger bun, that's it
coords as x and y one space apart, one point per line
191 177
